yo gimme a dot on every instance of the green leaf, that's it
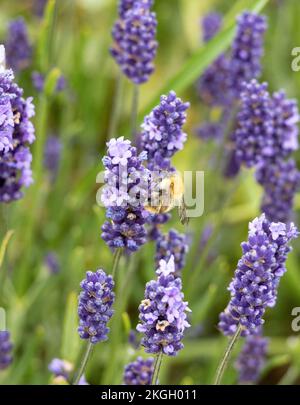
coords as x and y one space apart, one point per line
202 308
4 245
202 58
126 323
70 340
44 45
51 82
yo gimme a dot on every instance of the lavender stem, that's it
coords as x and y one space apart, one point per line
115 113
116 260
225 359
134 110
84 362
157 366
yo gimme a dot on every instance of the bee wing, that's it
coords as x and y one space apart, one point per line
182 213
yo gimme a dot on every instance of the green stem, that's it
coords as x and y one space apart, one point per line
35 194
41 130
116 108
156 370
290 376
3 247
52 33
84 363
134 110
116 260
225 359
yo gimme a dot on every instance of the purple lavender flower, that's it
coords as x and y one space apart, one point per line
286 119
126 5
52 263
133 339
256 279
38 81
281 181
39 6
61 83
162 134
233 166
52 155
211 24
247 49
214 84
135 46
124 195
95 306
6 124
18 48
163 318
252 358
62 370
222 83
156 220
255 126
139 372
210 130
15 163
125 230
172 244
5 350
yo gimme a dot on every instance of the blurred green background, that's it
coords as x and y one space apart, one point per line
63 217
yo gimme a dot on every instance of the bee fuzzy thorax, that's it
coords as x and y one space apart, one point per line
167 193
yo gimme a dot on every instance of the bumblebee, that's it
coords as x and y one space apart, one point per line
168 193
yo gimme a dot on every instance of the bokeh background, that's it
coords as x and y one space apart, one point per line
63 216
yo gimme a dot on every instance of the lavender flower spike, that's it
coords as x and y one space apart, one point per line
247 49
52 153
255 126
5 350
18 48
281 181
39 7
286 120
135 46
125 5
95 306
16 134
163 318
124 194
6 125
139 372
162 134
173 244
256 279
252 358
62 370
211 24
51 261
214 84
